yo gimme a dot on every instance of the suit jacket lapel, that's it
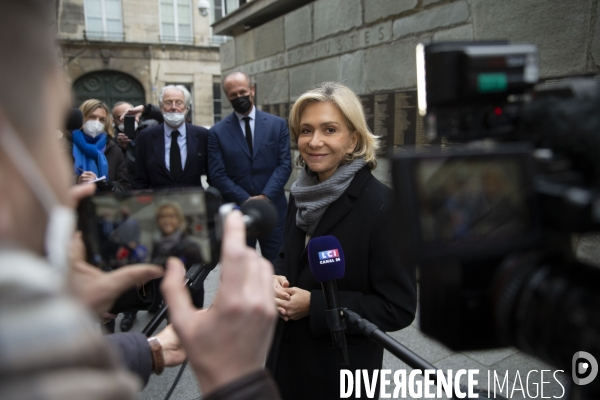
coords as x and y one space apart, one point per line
235 131
261 129
158 143
192 146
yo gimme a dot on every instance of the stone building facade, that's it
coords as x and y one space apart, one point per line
129 49
369 45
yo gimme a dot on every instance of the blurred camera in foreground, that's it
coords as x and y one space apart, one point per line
488 209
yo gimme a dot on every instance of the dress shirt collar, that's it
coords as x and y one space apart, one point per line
169 130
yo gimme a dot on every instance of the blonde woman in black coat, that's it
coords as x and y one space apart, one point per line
336 194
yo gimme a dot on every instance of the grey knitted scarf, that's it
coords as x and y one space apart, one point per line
313 197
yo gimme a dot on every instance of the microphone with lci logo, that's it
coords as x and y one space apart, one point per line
327 263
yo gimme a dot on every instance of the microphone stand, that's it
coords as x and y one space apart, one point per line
414 361
195 277
335 321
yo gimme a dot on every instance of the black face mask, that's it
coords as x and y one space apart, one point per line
242 104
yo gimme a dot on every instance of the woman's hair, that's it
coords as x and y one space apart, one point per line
175 207
89 106
351 108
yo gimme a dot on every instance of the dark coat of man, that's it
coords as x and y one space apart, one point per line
150 169
376 285
238 175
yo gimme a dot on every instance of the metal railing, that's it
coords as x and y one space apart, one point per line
219 39
178 40
104 36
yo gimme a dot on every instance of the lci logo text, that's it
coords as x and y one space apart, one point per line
329 256
584 368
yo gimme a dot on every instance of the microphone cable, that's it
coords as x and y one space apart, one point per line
176 381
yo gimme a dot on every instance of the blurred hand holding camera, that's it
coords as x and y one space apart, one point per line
98 290
136 111
173 351
232 337
123 140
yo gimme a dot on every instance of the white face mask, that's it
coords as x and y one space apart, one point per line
122 127
61 219
93 128
174 119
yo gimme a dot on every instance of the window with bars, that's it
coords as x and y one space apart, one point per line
217 116
219 10
176 21
103 20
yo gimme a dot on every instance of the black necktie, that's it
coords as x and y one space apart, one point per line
175 156
248 134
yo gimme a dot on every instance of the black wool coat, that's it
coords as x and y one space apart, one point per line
376 285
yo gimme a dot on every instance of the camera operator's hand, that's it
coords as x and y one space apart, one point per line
123 140
78 193
173 351
136 111
232 337
97 289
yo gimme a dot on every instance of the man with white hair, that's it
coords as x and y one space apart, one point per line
172 154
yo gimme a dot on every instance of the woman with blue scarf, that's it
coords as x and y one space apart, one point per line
95 153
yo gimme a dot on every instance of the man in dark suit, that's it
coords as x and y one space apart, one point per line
249 156
171 154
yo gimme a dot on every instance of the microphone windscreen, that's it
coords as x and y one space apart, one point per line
263 215
326 258
74 119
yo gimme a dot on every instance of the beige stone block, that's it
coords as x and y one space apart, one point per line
244 48
559 28
269 38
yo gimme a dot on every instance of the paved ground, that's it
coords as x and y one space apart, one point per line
501 361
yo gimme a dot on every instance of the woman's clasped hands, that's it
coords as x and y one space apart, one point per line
292 302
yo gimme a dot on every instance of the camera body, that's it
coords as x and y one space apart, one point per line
148 227
469 91
490 222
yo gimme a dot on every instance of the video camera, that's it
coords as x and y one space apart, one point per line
488 210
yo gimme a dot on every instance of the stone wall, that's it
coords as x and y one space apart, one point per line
369 45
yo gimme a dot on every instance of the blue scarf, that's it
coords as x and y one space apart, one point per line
89 153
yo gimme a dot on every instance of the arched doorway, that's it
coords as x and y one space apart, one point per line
109 87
